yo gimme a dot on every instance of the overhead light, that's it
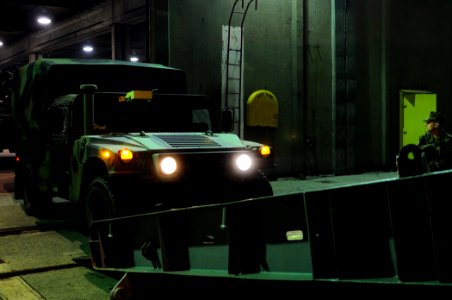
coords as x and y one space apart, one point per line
1 43
88 48
134 59
44 20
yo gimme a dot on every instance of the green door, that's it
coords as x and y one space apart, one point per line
416 106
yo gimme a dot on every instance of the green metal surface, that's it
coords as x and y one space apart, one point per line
415 107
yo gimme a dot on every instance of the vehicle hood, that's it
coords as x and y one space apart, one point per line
167 141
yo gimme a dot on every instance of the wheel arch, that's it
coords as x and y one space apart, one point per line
93 168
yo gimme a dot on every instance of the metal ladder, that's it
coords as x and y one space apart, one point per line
233 86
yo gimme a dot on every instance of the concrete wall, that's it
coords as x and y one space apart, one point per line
272 60
336 67
319 89
369 48
360 103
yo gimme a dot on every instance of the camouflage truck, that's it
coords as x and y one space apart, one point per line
121 138
7 134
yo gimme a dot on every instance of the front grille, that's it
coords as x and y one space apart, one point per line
188 141
207 167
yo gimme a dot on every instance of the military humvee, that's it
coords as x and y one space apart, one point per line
122 138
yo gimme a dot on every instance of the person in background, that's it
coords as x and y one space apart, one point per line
436 143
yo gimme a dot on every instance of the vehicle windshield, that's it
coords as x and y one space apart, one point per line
162 113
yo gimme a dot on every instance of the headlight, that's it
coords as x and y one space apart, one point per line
168 165
125 155
264 151
243 162
105 154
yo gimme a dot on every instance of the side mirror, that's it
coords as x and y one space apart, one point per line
88 110
227 119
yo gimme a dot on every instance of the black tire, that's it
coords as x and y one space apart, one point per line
255 189
262 188
411 161
35 202
100 201
266 187
109 241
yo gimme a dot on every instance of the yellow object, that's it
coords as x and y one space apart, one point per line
262 109
138 95
265 150
416 105
105 153
125 155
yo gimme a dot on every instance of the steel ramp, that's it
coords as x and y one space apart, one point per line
388 234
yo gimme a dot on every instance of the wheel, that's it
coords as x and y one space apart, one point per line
254 189
36 202
410 161
109 241
100 201
261 188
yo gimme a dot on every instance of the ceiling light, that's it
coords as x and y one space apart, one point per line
88 48
44 20
1 43
134 59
